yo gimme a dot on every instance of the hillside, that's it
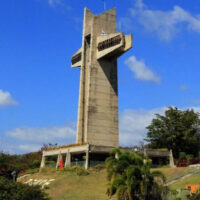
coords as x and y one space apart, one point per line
67 185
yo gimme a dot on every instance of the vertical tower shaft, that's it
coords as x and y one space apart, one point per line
98 95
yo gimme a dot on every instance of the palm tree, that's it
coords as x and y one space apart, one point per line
129 177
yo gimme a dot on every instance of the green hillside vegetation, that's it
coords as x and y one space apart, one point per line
68 185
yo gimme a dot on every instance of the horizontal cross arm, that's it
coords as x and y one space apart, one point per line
113 45
77 58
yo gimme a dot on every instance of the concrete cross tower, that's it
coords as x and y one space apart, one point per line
97 126
98 97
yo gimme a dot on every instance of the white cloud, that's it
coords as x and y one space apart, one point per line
54 3
124 23
49 134
4 146
166 24
28 147
15 148
141 70
195 108
31 139
133 123
6 99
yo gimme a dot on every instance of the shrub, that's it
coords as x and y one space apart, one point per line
35 164
182 155
189 157
181 162
195 196
183 194
99 167
68 169
19 162
29 171
6 173
194 161
80 171
19 191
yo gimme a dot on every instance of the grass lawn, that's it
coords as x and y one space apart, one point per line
68 185
176 173
171 173
195 179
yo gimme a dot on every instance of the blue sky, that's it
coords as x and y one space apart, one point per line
39 89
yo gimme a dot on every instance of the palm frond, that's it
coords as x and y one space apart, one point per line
121 192
159 174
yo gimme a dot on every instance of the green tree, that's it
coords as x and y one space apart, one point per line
177 130
129 177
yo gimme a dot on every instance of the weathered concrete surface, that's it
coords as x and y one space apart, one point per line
97 125
98 97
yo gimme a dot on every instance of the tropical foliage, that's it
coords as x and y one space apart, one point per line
18 163
177 130
18 191
129 177
195 196
183 194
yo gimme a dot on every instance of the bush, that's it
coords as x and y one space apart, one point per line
19 162
195 196
5 173
182 155
68 169
35 164
181 162
194 161
183 194
99 167
29 171
19 191
80 171
189 157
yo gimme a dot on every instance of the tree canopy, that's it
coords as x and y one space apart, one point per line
177 130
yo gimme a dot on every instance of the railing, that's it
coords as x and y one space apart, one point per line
76 58
78 163
109 43
93 163
50 165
